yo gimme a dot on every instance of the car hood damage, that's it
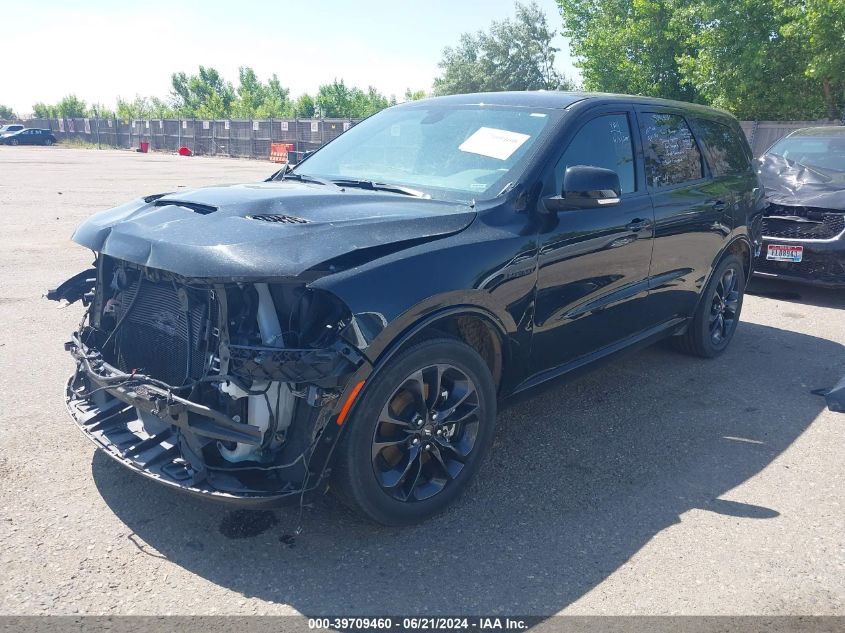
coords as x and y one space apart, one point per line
791 184
266 230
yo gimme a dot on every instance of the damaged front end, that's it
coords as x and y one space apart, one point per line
803 244
803 224
222 389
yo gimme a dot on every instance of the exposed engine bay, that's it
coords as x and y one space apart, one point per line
224 389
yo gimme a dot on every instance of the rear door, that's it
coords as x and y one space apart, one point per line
594 263
690 212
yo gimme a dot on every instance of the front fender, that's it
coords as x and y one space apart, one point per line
388 298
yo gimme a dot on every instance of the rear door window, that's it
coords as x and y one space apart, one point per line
671 153
725 152
602 142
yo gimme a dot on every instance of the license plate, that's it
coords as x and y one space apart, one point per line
781 253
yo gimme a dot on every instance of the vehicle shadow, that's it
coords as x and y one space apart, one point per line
581 477
797 293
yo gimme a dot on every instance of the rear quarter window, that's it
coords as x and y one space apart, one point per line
725 151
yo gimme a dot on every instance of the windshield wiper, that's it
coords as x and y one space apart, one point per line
381 186
287 173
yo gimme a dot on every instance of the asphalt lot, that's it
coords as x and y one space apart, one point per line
659 484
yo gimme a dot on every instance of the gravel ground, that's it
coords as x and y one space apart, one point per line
658 484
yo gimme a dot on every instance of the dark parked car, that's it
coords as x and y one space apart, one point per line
356 319
9 128
29 136
804 222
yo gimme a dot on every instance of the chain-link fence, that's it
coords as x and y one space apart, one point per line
252 139
237 138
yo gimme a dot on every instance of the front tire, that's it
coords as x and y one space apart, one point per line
716 318
14 141
418 435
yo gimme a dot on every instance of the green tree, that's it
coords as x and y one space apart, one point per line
737 58
760 59
304 106
161 109
414 95
205 95
277 103
260 100
513 55
71 107
817 28
101 111
7 113
629 46
43 111
138 108
251 93
335 99
68 108
338 100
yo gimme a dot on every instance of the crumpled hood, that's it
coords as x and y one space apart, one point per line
210 235
792 184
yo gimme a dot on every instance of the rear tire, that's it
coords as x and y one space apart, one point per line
715 320
48 142
418 435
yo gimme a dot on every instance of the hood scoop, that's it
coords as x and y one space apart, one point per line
202 209
277 219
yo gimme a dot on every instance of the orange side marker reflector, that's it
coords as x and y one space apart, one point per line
348 404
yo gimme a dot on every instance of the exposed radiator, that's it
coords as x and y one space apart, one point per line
166 331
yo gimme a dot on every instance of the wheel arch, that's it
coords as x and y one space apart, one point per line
472 325
740 245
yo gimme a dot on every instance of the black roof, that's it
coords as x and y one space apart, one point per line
559 100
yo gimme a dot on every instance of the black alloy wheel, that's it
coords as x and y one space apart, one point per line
724 307
425 433
418 433
714 323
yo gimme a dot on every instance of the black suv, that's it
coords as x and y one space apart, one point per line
354 320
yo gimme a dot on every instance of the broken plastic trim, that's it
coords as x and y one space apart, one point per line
324 367
75 288
150 396
116 428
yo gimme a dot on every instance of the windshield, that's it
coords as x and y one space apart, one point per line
459 153
813 151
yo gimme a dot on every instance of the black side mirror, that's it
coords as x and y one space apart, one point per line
585 187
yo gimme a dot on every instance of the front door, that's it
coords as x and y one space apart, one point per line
594 263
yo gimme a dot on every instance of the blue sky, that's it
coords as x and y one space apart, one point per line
104 49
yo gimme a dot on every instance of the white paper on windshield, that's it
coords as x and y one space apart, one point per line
489 141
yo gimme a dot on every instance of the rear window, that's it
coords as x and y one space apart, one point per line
725 152
671 153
